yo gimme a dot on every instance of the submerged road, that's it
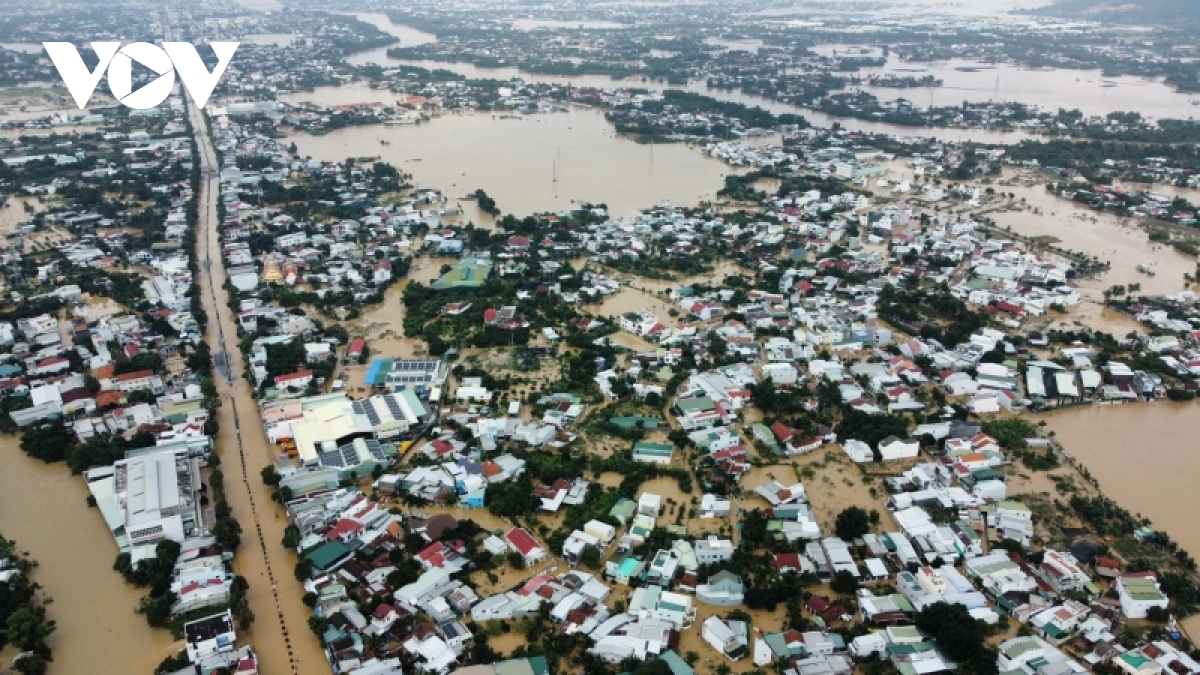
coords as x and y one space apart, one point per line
280 633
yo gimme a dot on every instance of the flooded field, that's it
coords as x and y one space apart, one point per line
45 511
1139 454
513 160
1048 88
16 212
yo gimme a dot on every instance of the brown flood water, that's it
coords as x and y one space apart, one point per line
514 160
1048 88
44 510
410 37
280 634
1140 454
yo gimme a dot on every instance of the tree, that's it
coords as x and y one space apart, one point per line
844 582
27 628
291 536
228 533
31 663
270 476
157 609
852 523
47 442
960 636
318 625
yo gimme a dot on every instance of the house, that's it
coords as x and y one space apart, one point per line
654 453
1107 568
520 541
624 571
652 602
135 381
1063 572
1138 593
1137 663
577 544
892 448
294 381
712 550
725 637
712 506
723 588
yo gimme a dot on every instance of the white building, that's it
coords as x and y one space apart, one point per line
1138 592
713 550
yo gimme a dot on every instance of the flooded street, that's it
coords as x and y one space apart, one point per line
45 511
280 634
513 159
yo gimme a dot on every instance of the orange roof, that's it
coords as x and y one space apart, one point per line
107 398
973 457
139 375
105 372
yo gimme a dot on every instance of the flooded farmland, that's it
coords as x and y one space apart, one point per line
513 159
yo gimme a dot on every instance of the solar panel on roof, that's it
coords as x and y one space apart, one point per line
332 458
394 407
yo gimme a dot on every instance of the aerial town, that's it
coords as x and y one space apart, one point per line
484 338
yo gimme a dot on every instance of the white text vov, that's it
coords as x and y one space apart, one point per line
171 58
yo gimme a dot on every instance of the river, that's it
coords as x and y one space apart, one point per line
410 37
44 510
963 80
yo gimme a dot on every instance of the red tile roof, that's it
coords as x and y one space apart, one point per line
298 375
522 540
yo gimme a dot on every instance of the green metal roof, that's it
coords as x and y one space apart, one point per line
653 449
326 554
677 665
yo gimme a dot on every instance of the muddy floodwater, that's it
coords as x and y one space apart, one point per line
1143 456
528 164
1048 88
45 511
